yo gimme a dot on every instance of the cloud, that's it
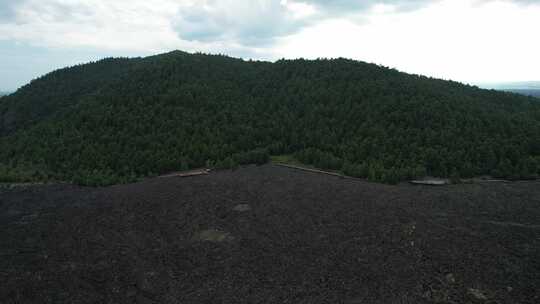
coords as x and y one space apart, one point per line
354 6
260 22
524 2
191 24
255 22
7 10
110 25
131 27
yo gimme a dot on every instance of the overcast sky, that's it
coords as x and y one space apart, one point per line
473 41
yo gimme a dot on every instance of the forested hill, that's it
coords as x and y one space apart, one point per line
118 119
57 91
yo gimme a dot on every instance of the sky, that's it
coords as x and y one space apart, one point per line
475 41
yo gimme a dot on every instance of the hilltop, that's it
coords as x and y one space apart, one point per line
119 119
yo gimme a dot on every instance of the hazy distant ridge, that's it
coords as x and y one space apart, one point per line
524 85
529 88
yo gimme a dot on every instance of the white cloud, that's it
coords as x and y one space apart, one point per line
255 22
155 25
115 25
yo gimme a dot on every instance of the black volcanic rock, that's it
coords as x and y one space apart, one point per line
308 238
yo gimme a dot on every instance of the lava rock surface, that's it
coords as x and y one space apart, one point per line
297 237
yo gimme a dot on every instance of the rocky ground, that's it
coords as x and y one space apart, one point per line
270 235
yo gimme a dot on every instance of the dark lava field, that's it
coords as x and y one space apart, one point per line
270 235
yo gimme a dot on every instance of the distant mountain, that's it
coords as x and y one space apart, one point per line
529 88
526 92
530 85
118 119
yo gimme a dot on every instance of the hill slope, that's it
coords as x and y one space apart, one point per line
118 119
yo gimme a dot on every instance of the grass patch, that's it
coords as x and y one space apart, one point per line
287 159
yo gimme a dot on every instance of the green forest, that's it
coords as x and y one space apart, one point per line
120 119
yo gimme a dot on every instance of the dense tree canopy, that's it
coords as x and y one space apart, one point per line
118 119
